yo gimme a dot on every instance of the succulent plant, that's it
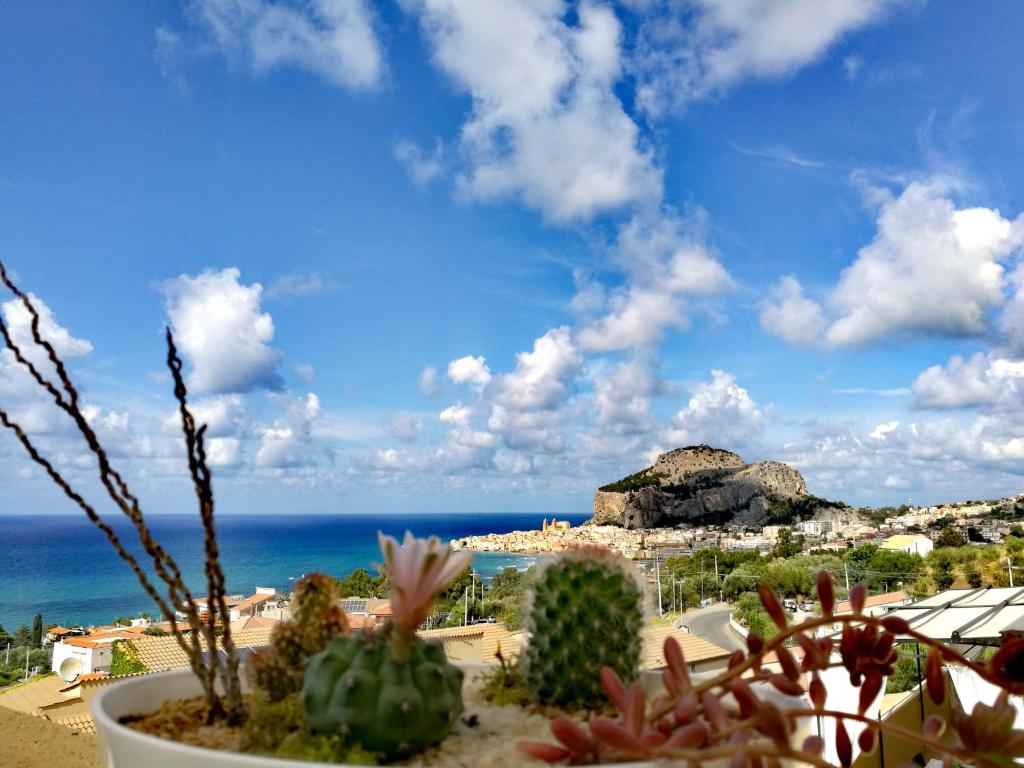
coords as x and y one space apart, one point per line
357 689
585 613
389 691
316 619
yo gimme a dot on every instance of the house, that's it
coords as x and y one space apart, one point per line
815 527
915 544
87 654
874 605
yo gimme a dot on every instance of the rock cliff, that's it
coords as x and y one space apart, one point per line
703 485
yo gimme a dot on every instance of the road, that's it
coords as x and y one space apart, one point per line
712 623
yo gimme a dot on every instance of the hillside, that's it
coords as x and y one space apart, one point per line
704 485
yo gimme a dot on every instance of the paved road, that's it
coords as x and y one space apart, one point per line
712 623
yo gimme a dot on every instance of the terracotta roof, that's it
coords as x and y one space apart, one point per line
34 694
901 540
357 621
384 609
491 637
843 606
58 630
78 723
252 622
159 654
249 602
695 649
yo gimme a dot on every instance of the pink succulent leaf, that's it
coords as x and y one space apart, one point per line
633 716
540 750
613 735
574 738
614 688
420 569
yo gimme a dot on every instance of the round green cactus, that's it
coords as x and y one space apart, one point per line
356 688
586 613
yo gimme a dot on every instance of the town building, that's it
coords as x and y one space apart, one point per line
915 544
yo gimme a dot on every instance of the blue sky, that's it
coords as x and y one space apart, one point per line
434 255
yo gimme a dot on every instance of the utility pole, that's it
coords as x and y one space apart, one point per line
1009 570
7 661
846 572
26 662
717 584
702 577
657 576
465 609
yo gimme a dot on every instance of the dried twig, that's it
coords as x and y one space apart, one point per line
179 598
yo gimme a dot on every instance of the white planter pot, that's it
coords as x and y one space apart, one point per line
122 747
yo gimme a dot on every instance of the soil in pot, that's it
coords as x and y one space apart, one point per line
485 735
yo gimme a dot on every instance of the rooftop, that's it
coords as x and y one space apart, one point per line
843 606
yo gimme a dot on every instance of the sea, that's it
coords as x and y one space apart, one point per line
65 569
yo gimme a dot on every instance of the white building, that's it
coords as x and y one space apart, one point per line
74 656
915 544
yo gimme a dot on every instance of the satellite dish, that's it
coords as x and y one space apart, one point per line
70 669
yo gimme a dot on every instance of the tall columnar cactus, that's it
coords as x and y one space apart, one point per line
316 619
585 613
390 691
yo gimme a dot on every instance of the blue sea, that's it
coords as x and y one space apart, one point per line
64 568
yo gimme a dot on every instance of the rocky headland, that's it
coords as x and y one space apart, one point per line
701 485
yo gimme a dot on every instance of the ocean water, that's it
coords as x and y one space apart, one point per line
65 569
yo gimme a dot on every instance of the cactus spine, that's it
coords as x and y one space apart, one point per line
585 613
357 688
316 618
389 691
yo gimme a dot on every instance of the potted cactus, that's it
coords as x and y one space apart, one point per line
326 694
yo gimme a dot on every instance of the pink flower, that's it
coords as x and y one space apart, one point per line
420 569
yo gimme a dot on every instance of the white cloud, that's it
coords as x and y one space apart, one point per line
687 51
542 377
334 39
224 416
406 427
622 398
219 328
19 323
932 269
289 443
423 166
982 380
224 452
666 262
720 413
546 124
306 372
852 66
301 284
457 414
429 381
470 370
792 316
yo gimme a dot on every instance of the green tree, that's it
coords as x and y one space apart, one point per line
973 578
22 637
949 538
904 676
1017 530
943 579
751 614
787 545
37 631
4 637
974 535
360 583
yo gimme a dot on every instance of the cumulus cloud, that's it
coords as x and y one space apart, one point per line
687 51
546 125
423 166
720 412
288 443
981 380
219 328
406 427
931 269
791 316
667 262
470 370
334 39
622 397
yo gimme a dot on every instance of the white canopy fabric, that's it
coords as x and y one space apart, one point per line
966 615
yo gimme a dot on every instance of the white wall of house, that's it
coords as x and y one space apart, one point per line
96 659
